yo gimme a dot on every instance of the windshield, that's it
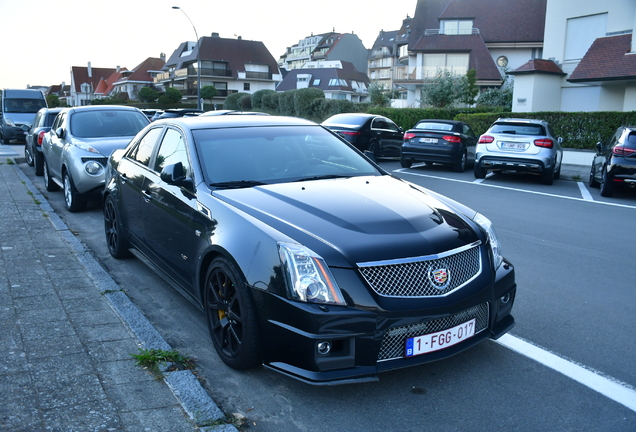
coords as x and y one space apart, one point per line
24 106
107 123
242 157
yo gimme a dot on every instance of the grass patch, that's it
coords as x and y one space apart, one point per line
154 360
10 162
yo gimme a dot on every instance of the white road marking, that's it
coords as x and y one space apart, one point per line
608 387
405 171
587 196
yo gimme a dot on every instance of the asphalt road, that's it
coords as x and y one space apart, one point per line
573 252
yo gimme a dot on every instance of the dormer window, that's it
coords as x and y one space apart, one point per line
456 27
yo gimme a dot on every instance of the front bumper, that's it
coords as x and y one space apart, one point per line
365 341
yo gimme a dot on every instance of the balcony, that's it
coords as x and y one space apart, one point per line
424 73
191 72
258 75
434 32
219 93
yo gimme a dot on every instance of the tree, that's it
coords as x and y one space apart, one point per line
469 90
146 94
208 92
53 101
501 97
443 92
171 95
377 95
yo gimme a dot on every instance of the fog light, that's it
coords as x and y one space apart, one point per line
324 347
505 299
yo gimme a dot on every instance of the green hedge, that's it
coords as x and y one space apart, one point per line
579 130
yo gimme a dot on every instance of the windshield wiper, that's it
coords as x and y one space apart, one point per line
322 177
237 184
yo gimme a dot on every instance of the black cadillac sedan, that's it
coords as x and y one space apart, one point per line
304 255
614 163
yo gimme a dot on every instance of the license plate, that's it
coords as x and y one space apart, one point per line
428 140
440 340
513 146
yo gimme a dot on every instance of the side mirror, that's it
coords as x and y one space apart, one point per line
59 132
599 146
25 128
175 175
560 140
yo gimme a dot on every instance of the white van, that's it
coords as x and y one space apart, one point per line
18 109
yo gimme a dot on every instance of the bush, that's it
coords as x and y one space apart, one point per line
258 96
146 94
270 100
286 104
232 101
579 130
303 99
245 103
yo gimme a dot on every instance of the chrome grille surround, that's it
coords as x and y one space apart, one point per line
394 340
413 277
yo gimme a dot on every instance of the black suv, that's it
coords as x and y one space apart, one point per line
33 149
179 112
615 161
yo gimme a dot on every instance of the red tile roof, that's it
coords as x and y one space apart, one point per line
140 73
607 59
538 66
80 76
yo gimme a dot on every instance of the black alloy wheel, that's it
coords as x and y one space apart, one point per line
74 202
49 184
374 148
607 185
406 163
460 166
28 155
480 173
593 182
547 176
118 244
231 316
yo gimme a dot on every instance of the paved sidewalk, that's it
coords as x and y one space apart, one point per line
67 334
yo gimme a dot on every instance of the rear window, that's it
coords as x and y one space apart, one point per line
517 129
630 142
434 126
349 120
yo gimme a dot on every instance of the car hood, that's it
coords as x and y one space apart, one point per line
20 118
103 145
357 220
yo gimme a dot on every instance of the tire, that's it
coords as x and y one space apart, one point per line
374 148
28 155
557 173
461 165
49 184
38 160
607 187
118 244
593 182
547 177
74 202
231 316
480 173
406 163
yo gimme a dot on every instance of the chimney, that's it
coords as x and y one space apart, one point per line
162 56
90 71
215 35
117 68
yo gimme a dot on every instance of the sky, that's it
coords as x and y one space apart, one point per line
43 39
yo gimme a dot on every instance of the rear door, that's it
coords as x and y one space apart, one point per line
389 136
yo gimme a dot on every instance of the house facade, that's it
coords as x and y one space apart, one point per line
131 81
592 44
337 79
489 36
89 83
230 65
325 47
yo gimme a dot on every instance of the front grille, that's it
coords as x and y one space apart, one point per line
101 160
417 278
394 340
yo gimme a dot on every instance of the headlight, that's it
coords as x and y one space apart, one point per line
9 122
308 277
495 247
93 168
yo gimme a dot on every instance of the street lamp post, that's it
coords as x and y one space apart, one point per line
198 59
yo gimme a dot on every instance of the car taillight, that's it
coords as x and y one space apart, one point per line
621 150
348 133
545 142
486 139
452 138
40 136
408 136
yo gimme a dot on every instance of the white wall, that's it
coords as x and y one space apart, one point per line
629 104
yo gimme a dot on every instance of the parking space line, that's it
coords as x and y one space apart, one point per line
587 196
406 171
608 387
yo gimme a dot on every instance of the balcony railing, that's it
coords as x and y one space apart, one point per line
258 75
219 93
192 72
402 73
433 32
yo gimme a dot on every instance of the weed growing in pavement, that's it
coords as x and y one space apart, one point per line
10 162
152 359
576 177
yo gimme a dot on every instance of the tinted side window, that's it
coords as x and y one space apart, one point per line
171 151
142 152
468 131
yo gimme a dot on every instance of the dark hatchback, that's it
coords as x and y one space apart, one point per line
304 255
375 133
446 142
615 161
33 149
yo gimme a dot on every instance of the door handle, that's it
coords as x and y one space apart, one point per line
123 178
147 196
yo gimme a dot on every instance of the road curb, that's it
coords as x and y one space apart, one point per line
193 398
